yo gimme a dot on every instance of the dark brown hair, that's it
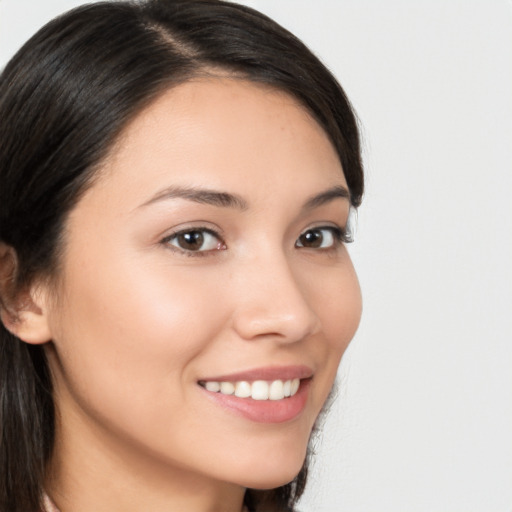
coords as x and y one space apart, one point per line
64 99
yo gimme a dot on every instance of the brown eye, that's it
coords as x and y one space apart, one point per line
319 238
192 241
195 240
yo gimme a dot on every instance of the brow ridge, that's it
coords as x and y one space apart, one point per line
201 195
229 200
336 192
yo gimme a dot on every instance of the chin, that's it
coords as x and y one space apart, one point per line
273 473
272 482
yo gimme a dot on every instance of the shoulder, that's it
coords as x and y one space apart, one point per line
48 505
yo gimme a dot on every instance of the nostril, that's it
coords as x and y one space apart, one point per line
284 326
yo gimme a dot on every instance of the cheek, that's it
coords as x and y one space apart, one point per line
336 298
334 294
129 333
345 310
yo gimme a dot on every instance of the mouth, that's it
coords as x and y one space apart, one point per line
257 390
272 395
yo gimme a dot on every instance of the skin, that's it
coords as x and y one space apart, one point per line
136 322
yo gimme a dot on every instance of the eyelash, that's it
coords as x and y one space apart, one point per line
340 236
197 230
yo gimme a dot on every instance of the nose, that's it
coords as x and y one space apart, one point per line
272 302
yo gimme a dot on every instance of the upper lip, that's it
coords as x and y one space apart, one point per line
268 373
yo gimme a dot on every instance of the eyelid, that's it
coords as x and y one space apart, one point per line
165 241
342 235
346 229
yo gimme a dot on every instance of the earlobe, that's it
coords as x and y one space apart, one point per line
23 313
28 323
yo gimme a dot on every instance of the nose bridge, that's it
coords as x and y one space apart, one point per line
272 301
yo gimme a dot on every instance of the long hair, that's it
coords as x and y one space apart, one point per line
64 99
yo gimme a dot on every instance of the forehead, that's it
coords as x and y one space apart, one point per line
214 131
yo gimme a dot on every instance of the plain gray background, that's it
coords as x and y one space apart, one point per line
423 422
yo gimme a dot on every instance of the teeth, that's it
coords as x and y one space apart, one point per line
276 390
243 389
212 386
294 386
227 388
287 388
258 390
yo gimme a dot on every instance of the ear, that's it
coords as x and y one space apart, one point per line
23 312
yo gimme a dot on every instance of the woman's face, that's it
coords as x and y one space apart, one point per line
207 251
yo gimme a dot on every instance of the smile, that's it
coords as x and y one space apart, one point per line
272 394
258 390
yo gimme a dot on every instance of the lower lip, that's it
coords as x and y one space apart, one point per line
265 411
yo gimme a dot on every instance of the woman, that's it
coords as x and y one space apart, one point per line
176 181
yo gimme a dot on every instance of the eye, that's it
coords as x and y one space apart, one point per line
195 240
321 238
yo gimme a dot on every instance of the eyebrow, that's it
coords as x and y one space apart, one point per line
229 200
337 192
200 195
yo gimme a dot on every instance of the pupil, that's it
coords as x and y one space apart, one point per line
192 240
312 239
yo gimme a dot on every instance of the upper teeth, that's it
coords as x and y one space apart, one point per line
257 390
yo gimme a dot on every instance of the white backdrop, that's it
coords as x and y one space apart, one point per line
423 422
